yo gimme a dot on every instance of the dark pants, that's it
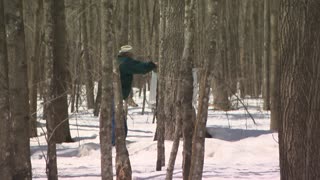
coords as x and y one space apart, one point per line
113 127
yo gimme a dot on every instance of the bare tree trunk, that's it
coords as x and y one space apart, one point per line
220 90
266 56
123 165
175 146
299 127
18 93
62 132
275 66
160 89
200 128
107 88
185 88
51 166
6 155
174 41
87 64
34 72
242 44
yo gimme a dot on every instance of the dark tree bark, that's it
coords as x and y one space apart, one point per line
62 131
266 56
160 89
51 169
123 165
275 65
299 127
220 84
107 88
6 166
173 43
87 64
33 69
18 93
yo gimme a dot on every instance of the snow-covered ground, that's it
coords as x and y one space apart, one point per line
238 150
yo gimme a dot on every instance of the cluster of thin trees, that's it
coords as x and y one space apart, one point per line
50 49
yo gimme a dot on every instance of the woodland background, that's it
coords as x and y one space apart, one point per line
57 50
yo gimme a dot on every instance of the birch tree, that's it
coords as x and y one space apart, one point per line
198 141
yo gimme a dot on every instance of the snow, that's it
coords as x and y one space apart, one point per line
239 149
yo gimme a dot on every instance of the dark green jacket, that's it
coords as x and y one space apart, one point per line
128 67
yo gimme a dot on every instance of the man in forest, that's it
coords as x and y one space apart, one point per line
127 67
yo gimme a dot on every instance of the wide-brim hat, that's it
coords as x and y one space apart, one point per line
125 48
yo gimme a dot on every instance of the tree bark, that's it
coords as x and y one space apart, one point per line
275 70
220 84
62 132
174 40
123 165
160 89
33 69
87 64
51 168
266 56
18 93
107 88
299 126
198 141
185 88
242 46
6 162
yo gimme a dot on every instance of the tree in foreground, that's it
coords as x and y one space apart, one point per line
5 128
299 128
18 91
198 141
107 43
51 166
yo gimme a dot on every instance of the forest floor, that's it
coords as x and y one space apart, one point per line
239 149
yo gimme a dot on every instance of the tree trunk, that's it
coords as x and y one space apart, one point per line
173 44
175 146
107 88
266 56
185 88
275 66
299 128
160 89
51 169
62 132
123 165
33 69
18 93
220 84
200 128
6 155
87 64
242 46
